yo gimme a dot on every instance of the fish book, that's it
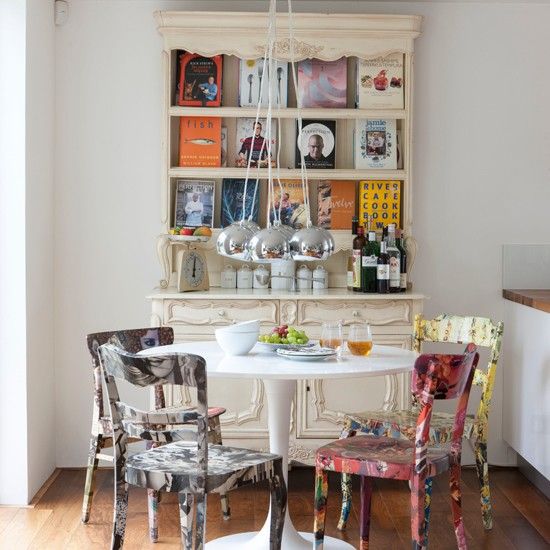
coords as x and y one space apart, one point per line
200 80
380 83
253 75
233 191
375 144
200 141
289 201
323 83
317 142
380 203
336 204
251 141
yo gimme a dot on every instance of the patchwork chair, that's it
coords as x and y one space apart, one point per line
482 332
434 377
192 467
102 427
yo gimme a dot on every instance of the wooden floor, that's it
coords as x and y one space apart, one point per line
522 515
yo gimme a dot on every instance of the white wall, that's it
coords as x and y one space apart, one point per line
481 168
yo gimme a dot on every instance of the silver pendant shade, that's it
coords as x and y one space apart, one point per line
233 241
269 244
311 243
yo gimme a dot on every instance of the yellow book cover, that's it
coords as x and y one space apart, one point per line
381 201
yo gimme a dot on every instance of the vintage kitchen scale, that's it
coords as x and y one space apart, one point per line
192 269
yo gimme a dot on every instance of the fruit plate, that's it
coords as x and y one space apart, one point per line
266 346
189 238
307 354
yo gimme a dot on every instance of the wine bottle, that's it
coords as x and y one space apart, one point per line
383 270
357 249
395 260
349 280
369 263
354 225
400 242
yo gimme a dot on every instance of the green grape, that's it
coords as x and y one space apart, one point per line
284 341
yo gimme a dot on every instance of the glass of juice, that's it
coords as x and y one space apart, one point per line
331 335
360 339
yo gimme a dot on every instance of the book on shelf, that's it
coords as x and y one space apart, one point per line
194 203
375 144
200 141
336 204
252 74
317 142
323 83
224 147
251 141
200 80
289 197
233 191
380 83
380 203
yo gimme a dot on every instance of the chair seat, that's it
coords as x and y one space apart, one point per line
173 468
372 456
403 424
106 426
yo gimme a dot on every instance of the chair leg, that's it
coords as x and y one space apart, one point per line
346 487
152 508
456 505
483 476
121 492
277 486
186 519
418 524
217 440
364 525
201 521
96 444
427 507
320 507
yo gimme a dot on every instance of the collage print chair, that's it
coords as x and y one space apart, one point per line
434 377
480 331
133 340
191 466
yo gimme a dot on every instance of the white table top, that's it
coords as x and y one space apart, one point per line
382 360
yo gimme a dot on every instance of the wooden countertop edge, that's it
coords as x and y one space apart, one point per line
537 299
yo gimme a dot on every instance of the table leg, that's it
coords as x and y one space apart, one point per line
279 400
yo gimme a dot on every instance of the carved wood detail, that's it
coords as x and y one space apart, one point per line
288 312
163 246
253 413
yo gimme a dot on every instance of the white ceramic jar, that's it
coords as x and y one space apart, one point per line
282 274
228 277
303 278
260 277
244 277
320 278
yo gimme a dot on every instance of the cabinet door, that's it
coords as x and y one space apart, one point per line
323 403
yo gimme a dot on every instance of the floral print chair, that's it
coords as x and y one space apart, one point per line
191 466
434 377
133 340
482 332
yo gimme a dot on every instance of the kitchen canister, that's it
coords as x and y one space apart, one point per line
282 275
303 278
229 277
244 277
260 277
320 278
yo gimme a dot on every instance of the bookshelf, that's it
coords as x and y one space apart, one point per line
194 316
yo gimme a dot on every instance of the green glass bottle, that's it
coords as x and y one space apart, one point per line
369 263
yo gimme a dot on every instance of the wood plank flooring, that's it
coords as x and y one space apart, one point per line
521 514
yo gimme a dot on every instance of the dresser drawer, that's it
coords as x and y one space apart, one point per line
219 313
375 312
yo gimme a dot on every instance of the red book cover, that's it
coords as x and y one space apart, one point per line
200 80
200 141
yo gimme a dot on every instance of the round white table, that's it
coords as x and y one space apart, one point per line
280 378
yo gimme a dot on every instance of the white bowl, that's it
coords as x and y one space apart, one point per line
245 326
236 343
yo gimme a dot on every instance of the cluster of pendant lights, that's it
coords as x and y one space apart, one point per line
244 240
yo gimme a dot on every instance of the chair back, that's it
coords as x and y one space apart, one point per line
481 331
178 369
438 376
132 340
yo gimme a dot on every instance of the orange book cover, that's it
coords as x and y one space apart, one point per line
200 141
336 203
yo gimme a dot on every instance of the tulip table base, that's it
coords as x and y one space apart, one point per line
279 395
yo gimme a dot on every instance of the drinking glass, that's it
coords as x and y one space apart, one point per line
360 339
331 335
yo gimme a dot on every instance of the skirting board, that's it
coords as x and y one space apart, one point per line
534 476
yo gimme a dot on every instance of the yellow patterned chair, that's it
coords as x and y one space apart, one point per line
451 329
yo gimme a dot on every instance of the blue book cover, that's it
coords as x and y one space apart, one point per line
232 201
